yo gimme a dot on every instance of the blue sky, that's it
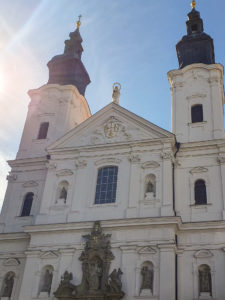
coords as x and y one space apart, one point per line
127 41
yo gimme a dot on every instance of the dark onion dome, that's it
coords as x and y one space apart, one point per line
68 68
196 46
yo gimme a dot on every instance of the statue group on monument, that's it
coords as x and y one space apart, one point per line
96 280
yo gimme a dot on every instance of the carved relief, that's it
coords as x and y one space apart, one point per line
80 163
49 255
11 177
203 254
150 165
147 250
134 158
105 161
30 183
11 262
96 282
198 170
64 172
221 159
166 155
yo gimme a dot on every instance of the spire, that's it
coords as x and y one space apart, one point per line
68 68
196 46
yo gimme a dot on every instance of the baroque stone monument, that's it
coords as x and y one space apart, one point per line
97 283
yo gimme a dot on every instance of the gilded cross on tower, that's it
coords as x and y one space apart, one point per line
79 22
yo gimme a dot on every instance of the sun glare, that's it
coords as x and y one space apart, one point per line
1 82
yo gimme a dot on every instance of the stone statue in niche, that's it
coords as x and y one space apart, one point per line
8 285
96 283
46 287
147 281
150 190
205 281
63 194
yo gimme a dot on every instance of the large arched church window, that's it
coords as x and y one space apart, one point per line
27 204
43 130
106 185
200 192
197 113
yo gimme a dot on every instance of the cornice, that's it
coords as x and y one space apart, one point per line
34 161
170 222
14 236
182 71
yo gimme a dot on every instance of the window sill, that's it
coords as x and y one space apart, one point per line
115 204
197 124
40 141
197 206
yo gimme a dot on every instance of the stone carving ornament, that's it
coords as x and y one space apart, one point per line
96 283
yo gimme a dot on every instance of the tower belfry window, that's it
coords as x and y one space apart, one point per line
200 192
27 204
43 130
197 113
194 28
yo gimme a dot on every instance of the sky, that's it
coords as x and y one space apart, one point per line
127 41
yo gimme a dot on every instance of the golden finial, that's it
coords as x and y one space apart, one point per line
79 22
193 4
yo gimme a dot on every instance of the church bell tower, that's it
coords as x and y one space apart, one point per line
60 105
197 86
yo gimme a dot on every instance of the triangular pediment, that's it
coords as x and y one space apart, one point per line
49 255
112 124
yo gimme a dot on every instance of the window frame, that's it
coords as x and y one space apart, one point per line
22 207
96 183
205 192
40 135
196 113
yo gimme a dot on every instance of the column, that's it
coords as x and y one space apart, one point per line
28 288
221 161
129 258
167 185
167 272
134 186
66 261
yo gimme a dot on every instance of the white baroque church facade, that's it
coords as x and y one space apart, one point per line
110 206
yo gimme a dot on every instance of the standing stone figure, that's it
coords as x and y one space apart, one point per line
205 285
95 274
115 281
47 282
147 279
116 93
63 194
8 285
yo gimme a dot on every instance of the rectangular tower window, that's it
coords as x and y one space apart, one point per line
197 113
43 130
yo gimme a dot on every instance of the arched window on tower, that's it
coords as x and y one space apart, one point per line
43 130
197 113
205 281
7 285
200 192
27 204
106 185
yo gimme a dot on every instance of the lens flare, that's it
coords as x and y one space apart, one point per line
1 82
